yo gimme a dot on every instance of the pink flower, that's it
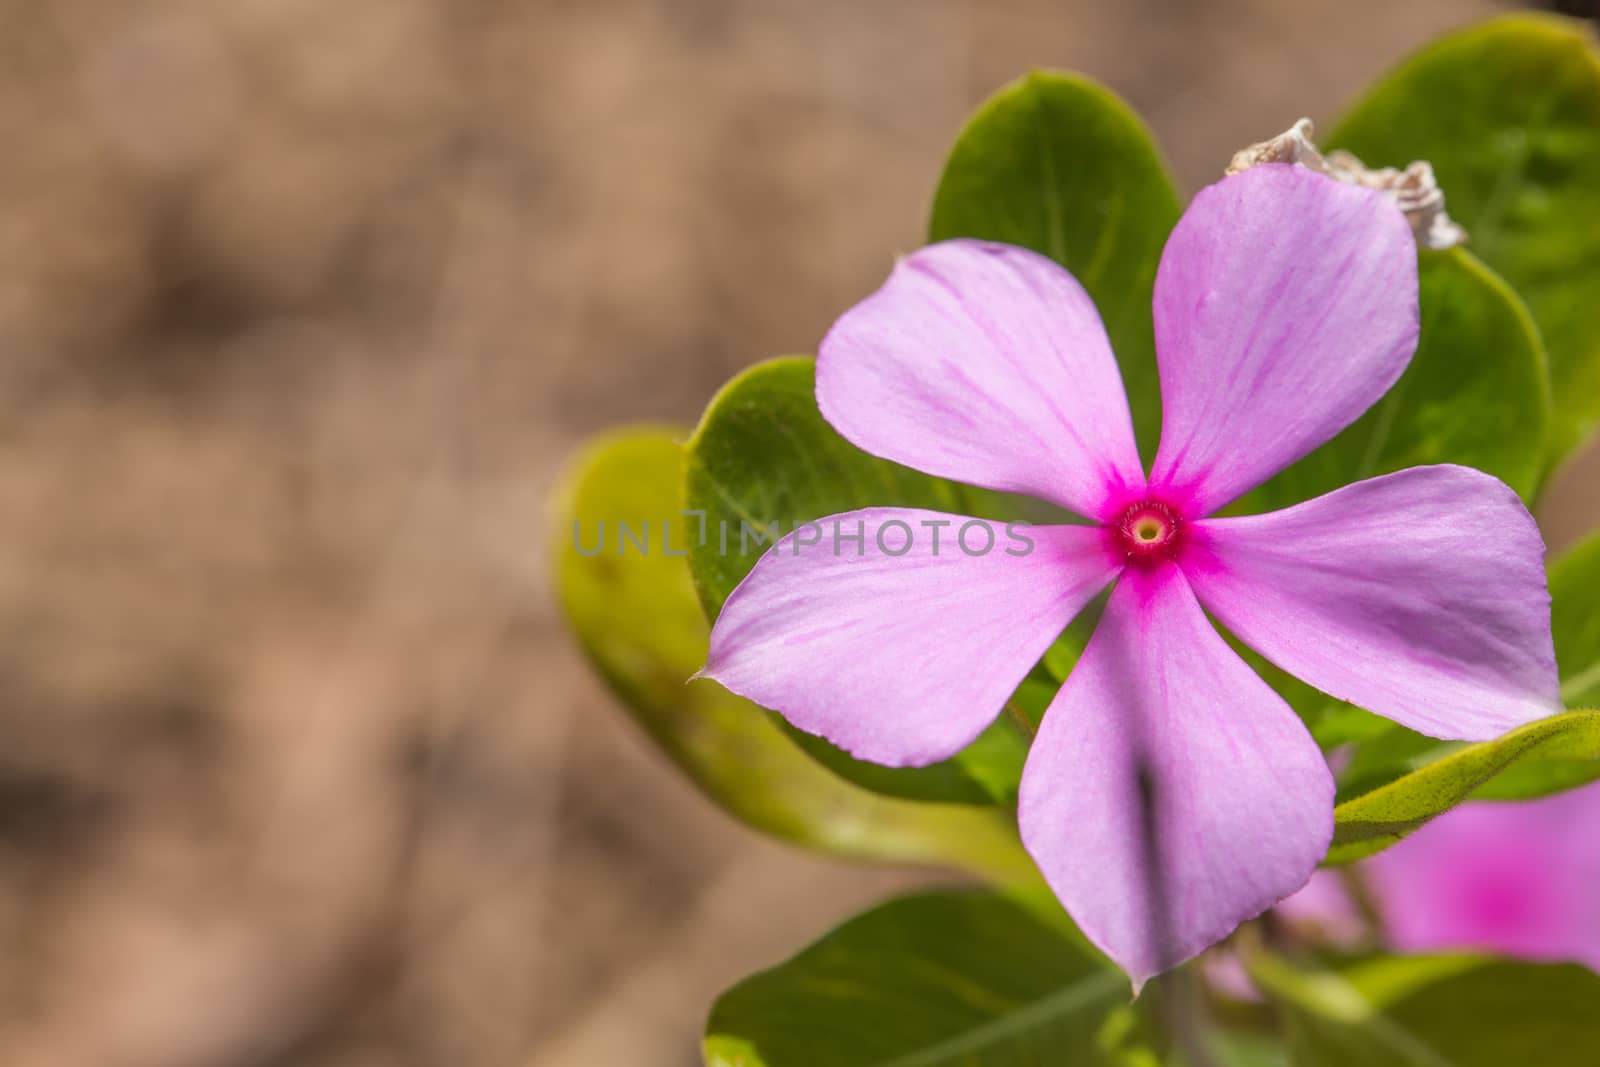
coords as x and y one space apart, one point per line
1171 793
1518 879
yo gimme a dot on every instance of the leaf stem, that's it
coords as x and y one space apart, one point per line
1019 718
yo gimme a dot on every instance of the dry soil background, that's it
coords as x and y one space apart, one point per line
303 303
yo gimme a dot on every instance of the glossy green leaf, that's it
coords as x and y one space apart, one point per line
1475 394
1433 1011
1056 163
635 614
1374 821
764 459
942 979
1508 112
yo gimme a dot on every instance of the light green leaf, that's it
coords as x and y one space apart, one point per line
1475 394
1392 752
1437 1011
1056 163
1374 821
1508 112
637 619
942 979
763 455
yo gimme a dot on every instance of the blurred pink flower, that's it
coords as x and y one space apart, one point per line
1519 879
1170 793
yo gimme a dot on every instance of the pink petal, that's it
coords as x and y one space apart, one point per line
1241 804
1518 879
1419 596
985 363
902 660
1285 306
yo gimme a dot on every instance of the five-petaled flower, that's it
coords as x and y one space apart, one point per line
1170 793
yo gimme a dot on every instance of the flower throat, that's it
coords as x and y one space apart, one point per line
1149 531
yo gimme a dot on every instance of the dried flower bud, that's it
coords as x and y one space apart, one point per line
1293 145
1413 190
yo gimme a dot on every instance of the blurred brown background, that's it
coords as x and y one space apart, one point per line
302 306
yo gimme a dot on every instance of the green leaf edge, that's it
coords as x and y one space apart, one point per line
1136 362
727 1050
1561 440
949 781
1044 77
838 818
708 601
1548 431
1370 823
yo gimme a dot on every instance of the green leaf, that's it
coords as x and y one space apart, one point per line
637 619
1243 1050
955 978
1058 164
1508 112
1374 821
1393 752
763 455
1344 724
1575 621
1437 1011
1475 394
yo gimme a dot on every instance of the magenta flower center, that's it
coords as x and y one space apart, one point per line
1149 531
